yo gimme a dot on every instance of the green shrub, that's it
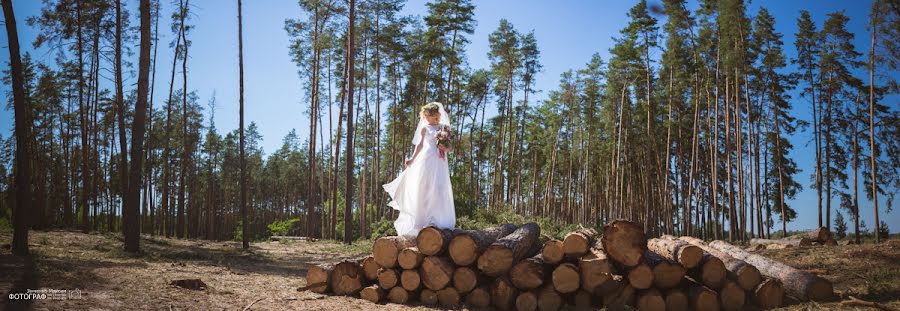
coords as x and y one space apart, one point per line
383 227
282 227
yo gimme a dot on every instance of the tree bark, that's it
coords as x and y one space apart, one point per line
500 256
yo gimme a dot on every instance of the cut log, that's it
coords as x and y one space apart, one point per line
666 273
503 294
433 241
320 274
410 258
618 299
549 299
428 297
700 297
769 294
436 272
821 235
676 300
676 250
480 297
624 242
465 279
798 284
566 278
467 245
578 242
410 280
347 277
448 297
530 273
388 278
783 243
372 293
731 296
527 301
584 300
711 271
640 276
399 295
596 270
500 256
650 300
552 251
746 275
386 249
370 268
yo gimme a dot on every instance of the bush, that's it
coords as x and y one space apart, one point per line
840 226
383 227
282 227
883 231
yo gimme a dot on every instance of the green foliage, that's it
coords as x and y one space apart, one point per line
383 227
883 231
5 225
840 226
282 227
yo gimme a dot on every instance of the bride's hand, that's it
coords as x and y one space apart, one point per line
407 163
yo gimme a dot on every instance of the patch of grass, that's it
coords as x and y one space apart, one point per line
358 247
882 281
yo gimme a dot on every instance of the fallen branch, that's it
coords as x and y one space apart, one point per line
253 303
859 302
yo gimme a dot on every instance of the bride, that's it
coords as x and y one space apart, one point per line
422 192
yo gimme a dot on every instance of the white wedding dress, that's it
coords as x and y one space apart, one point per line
422 192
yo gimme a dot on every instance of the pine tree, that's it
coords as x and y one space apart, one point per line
840 226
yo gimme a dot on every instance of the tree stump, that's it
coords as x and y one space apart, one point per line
467 245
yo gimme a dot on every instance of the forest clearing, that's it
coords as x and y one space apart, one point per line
111 279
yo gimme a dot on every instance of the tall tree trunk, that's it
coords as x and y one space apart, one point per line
120 109
185 146
872 131
348 229
130 213
23 136
245 238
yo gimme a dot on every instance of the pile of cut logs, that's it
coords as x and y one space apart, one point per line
512 267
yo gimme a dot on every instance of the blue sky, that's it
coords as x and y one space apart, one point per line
567 32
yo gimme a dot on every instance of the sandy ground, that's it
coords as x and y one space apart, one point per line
269 274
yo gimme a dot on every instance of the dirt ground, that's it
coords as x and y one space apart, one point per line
268 275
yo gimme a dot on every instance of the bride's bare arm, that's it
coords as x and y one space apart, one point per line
418 148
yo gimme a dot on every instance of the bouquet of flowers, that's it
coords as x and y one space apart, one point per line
444 137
